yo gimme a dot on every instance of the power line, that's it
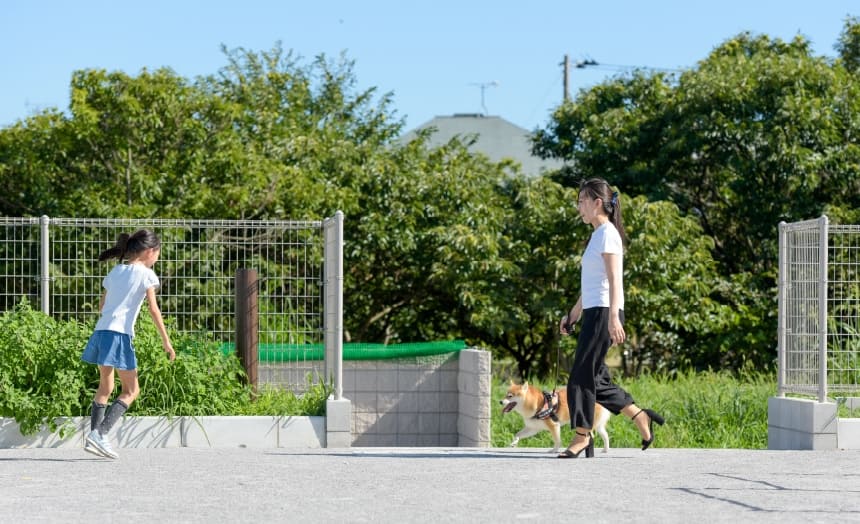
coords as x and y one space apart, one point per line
592 63
582 64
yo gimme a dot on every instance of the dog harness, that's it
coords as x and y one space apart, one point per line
550 407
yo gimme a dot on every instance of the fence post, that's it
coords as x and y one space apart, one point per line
781 307
823 246
333 306
45 264
247 322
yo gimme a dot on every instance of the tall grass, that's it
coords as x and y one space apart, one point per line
702 410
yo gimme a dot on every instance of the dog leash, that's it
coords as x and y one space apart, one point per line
550 408
557 361
569 329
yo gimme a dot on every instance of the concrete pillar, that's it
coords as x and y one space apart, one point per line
796 423
474 384
338 423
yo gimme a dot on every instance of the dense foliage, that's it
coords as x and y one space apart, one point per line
443 243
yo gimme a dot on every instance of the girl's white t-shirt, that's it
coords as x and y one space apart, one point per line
594 280
126 286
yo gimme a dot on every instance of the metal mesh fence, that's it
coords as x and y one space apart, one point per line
819 309
197 268
843 310
19 261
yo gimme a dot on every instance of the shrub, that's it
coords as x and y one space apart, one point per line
42 377
41 374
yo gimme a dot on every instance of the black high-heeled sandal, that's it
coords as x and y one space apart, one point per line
652 418
588 449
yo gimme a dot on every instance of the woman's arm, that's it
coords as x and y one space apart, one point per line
565 326
612 262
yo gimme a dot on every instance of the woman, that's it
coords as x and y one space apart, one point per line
601 309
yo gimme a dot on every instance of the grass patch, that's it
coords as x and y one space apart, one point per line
844 411
702 410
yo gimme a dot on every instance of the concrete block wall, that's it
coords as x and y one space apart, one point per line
433 401
403 402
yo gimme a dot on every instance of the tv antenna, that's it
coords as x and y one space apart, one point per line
484 86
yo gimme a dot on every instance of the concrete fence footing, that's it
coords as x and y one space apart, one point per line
438 401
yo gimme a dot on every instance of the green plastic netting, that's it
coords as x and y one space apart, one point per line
351 351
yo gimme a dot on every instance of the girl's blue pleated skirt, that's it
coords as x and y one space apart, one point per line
110 348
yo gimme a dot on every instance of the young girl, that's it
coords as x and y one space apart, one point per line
601 309
110 344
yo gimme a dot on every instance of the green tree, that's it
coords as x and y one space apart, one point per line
440 242
678 308
761 129
848 45
136 146
760 132
32 155
266 137
409 202
514 275
302 137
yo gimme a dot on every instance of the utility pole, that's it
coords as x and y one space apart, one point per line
566 66
590 62
582 64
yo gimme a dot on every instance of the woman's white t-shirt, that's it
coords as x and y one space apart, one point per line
594 280
126 286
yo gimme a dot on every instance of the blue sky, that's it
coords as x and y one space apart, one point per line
435 57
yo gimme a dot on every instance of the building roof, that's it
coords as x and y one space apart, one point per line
497 138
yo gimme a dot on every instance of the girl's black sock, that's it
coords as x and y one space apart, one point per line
114 412
97 414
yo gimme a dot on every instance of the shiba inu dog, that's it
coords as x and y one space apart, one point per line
530 402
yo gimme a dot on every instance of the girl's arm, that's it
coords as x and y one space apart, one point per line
155 312
612 262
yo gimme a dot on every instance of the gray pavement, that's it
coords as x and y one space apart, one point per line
428 485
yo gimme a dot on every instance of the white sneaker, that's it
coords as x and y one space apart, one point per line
89 448
100 443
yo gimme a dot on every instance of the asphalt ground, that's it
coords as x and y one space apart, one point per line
473 485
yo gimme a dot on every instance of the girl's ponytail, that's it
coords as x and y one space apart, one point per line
118 250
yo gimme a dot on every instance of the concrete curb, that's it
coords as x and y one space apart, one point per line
190 432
